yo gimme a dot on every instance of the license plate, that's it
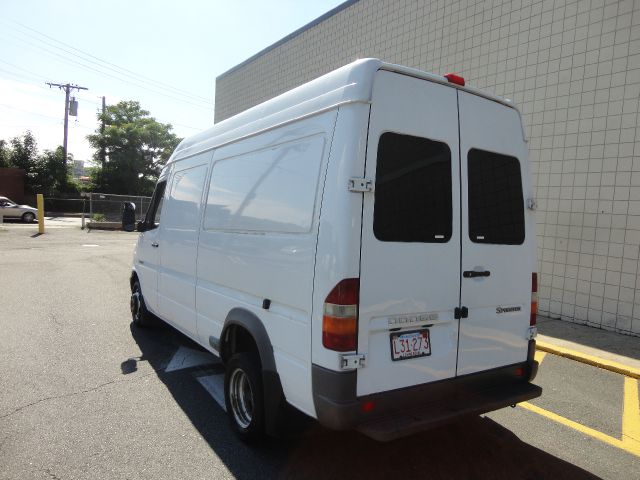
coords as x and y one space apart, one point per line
411 344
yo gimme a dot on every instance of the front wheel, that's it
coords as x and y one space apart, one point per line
244 397
28 217
140 316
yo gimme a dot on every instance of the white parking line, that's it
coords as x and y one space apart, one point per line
188 358
214 384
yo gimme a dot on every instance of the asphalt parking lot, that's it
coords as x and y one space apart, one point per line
85 395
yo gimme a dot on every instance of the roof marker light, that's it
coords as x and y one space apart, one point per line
453 78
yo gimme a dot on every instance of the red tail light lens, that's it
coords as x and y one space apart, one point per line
340 316
453 78
368 406
534 299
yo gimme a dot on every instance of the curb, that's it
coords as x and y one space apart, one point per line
603 363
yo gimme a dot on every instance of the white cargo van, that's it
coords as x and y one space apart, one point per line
361 248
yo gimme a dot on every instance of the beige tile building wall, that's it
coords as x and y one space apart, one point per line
573 68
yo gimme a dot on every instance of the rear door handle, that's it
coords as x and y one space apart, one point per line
155 244
475 273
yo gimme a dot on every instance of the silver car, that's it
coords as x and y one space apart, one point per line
10 209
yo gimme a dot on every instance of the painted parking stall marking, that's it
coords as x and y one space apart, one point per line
209 372
630 438
189 358
214 385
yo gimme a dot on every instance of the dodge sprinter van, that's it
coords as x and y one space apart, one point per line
361 248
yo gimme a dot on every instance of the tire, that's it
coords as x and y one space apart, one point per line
140 316
28 217
244 396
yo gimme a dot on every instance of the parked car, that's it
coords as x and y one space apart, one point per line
361 248
10 209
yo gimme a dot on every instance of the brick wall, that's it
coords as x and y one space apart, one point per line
12 184
572 67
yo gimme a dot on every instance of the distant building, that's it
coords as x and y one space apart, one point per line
12 184
573 69
78 169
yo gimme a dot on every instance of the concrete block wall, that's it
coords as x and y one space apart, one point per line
572 67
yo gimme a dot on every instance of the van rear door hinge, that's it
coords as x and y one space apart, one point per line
357 184
354 360
460 312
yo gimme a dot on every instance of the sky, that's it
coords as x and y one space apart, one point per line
164 54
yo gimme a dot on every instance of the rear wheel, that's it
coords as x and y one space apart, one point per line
28 217
244 397
140 316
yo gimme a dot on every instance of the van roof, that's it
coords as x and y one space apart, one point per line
352 83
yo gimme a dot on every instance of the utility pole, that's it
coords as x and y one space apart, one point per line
103 153
67 88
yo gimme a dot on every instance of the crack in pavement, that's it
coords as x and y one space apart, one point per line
65 395
51 474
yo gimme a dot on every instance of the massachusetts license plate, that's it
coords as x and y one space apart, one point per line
411 344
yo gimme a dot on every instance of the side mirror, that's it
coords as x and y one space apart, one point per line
141 226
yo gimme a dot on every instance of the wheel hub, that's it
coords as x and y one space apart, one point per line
135 304
241 397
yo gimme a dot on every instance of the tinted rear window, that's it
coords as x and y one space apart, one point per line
413 190
496 203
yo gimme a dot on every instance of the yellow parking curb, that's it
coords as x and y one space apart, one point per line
589 359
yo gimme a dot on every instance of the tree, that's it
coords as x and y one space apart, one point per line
5 152
45 173
48 174
24 151
136 146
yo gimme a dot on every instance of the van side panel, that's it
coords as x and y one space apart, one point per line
252 247
338 255
177 244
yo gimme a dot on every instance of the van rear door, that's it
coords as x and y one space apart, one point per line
497 236
410 254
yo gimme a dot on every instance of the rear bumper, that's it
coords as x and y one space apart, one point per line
406 411
435 413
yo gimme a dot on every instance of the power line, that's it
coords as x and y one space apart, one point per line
109 65
102 72
19 75
131 72
34 74
57 119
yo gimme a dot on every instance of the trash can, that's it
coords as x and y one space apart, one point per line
128 216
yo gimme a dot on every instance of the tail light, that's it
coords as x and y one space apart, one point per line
368 406
534 299
340 316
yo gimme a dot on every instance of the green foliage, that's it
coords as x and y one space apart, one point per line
99 217
45 173
136 146
5 153
24 151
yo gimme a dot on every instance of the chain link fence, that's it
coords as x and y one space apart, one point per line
106 207
54 205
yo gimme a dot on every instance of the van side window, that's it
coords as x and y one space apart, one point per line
152 218
182 209
269 190
496 202
413 190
